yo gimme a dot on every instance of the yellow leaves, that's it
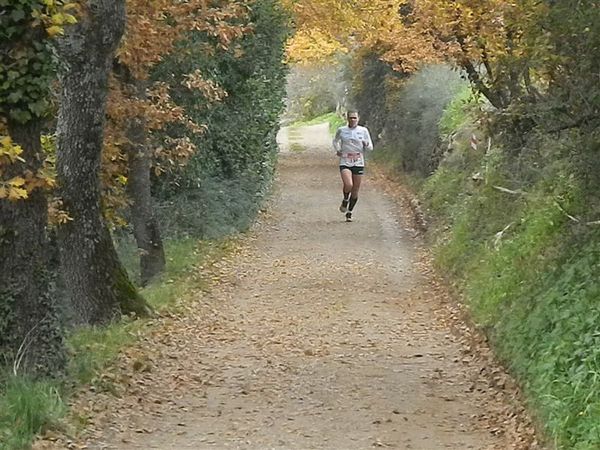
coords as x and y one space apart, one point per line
55 16
54 30
310 45
477 30
9 152
57 22
13 189
63 19
18 187
56 214
328 27
17 181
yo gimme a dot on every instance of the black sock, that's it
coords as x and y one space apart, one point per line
345 200
353 201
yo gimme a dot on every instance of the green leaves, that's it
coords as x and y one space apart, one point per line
17 15
26 62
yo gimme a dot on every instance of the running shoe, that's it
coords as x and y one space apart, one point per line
344 206
349 216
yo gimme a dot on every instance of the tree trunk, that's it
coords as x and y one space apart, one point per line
30 336
145 226
96 282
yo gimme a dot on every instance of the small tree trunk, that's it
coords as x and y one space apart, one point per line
96 282
30 336
145 226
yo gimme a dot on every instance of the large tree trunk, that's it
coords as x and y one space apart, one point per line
96 282
30 336
145 226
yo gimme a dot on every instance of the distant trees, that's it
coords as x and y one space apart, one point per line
315 89
141 107
219 190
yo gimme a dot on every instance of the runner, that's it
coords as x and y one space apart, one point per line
350 144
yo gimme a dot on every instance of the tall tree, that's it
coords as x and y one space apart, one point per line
139 160
30 336
96 282
145 225
152 32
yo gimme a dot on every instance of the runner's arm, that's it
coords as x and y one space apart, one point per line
337 143
368 143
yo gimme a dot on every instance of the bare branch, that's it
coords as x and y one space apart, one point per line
571 217
23 348
509 191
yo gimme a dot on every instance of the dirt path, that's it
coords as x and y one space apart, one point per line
321 334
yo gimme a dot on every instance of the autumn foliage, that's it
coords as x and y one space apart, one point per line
26 74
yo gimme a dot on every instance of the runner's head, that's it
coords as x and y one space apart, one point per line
352 117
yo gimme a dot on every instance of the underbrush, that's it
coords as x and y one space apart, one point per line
213 209
28 407
527 271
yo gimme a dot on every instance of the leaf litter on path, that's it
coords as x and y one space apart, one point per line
313 334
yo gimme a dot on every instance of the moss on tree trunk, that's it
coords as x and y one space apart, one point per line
129 300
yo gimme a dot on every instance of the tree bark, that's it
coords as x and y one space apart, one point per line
97 284
30 336
145 225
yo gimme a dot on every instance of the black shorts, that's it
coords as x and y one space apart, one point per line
356 170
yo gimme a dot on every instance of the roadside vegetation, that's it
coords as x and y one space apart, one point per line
525 265
513 232
111 227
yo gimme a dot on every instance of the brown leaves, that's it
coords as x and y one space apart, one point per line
154 28
299 341
153 31
211 91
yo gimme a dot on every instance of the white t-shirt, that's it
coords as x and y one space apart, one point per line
352 142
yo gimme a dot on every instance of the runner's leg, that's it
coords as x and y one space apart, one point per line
356 180
347 180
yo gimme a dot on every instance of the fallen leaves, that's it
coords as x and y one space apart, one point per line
327 348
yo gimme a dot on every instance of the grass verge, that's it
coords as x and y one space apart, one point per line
333 119
506 234
26 408
527 274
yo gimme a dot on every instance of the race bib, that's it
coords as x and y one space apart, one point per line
354 157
